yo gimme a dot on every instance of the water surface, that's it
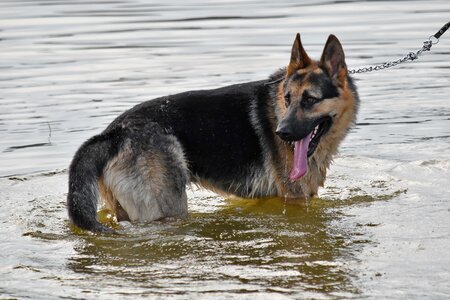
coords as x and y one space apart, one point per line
381 228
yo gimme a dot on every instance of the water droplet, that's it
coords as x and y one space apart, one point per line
284 204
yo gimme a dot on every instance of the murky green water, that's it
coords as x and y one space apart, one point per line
381 228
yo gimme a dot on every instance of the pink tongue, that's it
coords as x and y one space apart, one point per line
300 158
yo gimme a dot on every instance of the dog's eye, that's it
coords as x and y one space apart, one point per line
308 102
312 100
287 99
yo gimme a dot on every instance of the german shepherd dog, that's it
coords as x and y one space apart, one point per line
274 137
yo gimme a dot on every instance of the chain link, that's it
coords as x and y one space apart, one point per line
410 56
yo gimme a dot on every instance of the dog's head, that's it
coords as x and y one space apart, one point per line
316 103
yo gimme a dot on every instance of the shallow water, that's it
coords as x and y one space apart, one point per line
381 228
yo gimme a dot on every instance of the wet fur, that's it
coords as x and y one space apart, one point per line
222 139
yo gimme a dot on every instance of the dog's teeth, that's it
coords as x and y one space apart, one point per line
315 132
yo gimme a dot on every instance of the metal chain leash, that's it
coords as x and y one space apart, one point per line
410 56
432 40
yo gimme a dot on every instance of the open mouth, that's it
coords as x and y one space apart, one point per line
317 133
305 147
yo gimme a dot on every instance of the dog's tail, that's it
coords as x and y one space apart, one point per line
84 172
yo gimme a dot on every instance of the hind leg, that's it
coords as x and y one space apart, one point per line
110 202
148 177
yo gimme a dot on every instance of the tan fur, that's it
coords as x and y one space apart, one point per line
209 186
110 202
137 184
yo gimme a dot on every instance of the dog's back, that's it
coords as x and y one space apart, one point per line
155 148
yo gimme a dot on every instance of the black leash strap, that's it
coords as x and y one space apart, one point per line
442 30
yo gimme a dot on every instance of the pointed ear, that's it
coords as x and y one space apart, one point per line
333 59
299 58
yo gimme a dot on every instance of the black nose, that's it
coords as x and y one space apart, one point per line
284 133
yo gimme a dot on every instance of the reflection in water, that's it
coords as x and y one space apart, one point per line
247 243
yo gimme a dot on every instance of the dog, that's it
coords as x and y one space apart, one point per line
269 138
